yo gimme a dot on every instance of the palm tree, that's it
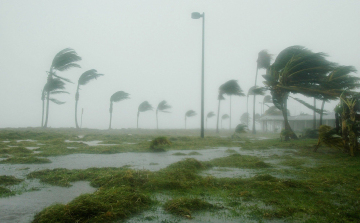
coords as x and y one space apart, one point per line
297 70
85 78
116 97
63 60
220 97
254 90
223 117
162 107
263 62
54 86
339 79
209 115
189 114
143 107
244 119
230 88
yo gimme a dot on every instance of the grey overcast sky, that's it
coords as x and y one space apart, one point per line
152 50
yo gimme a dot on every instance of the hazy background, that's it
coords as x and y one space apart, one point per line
152 50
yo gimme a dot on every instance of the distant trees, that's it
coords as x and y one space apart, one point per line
189 114
85 78
162 107
223 117
143 107
209 115
63 60
116 97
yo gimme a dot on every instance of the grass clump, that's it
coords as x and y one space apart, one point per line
5 192
9 180
238 161
194 153
185 206
15 150
179 154
158 144
25 160
102 206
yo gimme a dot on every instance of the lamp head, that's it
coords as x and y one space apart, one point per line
196 15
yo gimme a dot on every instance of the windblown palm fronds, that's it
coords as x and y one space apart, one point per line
116 97
189 114
241 128
329 137
264 59
143 107
267 99
231 87
162 107
210 115
225 116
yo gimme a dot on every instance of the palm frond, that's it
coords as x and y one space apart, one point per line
256 90
54 84
221 96
119 96
145 106
63 78
57 101
267 99
163 106
231 87
190 113
264 59
319 111
65 59
225 116
210 115
59 92
241 128
87 76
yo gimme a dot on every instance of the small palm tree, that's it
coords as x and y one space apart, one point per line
162 107
189 114
220 97
62 61
54 86
116 97
223 117
230 88
263 62
85 78
143 107
209 115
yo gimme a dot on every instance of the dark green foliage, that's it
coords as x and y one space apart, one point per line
87 76
15 150
159 143
65 59
241 128
4 192
184 206
163 106
145 106
103 206
210 115
311 133
225 116
231 87
9 180
238 161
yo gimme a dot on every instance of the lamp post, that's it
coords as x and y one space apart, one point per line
197 15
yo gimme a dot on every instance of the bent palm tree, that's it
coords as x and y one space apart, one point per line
85 78
223 117
263 62
62 61
209 115
143 107
220 97
230 88
54 86
189 114
116 97
254 90
162 107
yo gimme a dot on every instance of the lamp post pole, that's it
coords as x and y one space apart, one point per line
196 15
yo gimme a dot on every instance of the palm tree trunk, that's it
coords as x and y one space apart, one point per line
137 121
254 130
218 114
76 105
157 123
230 114
286 122
314 115
110 110
47 108
322 110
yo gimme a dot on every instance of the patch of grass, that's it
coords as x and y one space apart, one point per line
185 206
179 154
5 192
238 161
194 153
293 162
9 180
15 150
230 151
25 160
159 144
153 163
102 206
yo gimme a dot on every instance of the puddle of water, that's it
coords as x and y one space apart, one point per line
92 143
80 136
6 141
72 147
22 208
130 143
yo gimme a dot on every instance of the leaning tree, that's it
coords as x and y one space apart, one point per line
163 106
116 97
63 60
189 114
85 78
254 90
297 70
143 107
209 115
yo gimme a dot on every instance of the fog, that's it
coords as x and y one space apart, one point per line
152 50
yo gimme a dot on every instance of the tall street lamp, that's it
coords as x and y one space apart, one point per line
197 15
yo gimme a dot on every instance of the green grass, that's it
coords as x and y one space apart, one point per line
25 160
184 206
238 161
9 180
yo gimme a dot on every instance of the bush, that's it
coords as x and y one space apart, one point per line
159 143
311 133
